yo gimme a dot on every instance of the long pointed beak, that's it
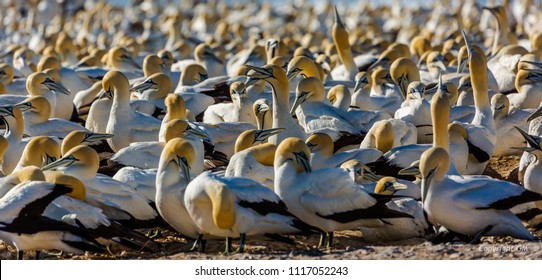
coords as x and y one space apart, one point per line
411 170
24 106
533 141
359 85
148 84
302 159
193 130
298 101
535 114
338 18
262 135
292 73
56 86
399 186
462 65
63 162
370 176
185 169
6 111
95 137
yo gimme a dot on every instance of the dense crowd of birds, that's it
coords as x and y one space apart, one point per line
217 120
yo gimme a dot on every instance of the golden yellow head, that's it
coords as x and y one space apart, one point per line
320 142
179 148
338 92
166 56
6 73
115 83
388 186
37 104
381 76
175 129
384 136
434 163
457 129
419 45
500 105
39 151
152 64
193 74
401 48
302 65
295 150
404 71
238 88
49 61
280 61
176 107
78 188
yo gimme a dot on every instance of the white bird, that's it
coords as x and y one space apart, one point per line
417 111
36 111
118 200
24 226
327 198
397 229
529 86
359 172
254 161
322 156
276 77
238 111
13 118
363 100
127 125
237 207
471 206
506 118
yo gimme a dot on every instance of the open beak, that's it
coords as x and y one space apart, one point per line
56 86
263 134
63 162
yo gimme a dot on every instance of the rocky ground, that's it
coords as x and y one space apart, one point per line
348 244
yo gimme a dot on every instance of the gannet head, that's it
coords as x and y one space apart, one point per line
465 84
358 170
250 137
320 143
388 186
40 151
262 109
28 173
527 77
203 52
181 154
7 73
119 58
404 71
78 137
49 62
499 105
152 64
415 90
38 105
177 128
78 188
293 150
39 82
310 89
384 135
419 45
302 65
238 93
81 157
380 77
434 164
193 74
114 83
339 92
362 80
158 86
176 107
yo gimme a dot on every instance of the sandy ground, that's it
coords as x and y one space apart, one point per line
348 244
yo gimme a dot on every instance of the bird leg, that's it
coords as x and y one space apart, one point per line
153 233
241 248
476 238
19 255
323 236
330 240
227 251
199 242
